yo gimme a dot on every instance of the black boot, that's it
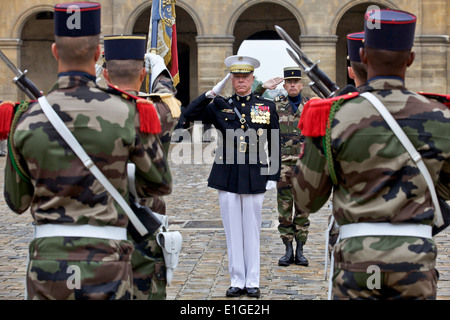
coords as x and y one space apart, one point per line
299 257
288 258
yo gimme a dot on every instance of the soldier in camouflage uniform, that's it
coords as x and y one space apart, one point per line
377 187
124 69
358 73
169 110
293 222
80 250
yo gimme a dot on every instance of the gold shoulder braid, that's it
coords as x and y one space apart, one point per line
327 140
173 103
11 150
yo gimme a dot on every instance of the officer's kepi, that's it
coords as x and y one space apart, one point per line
292 73
241 64
77 19
354 42
389 30
124 47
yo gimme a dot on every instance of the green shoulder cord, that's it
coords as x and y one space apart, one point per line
327 140
12 151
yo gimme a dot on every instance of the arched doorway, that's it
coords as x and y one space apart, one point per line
35 53
187 50
351 21
255 35
258 21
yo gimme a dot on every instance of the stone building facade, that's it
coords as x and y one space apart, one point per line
209 31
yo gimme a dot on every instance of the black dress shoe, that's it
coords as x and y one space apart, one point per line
235 292
253 292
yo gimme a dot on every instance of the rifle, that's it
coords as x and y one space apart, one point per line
320 83
21 80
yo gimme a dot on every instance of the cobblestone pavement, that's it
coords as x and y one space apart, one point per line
202 272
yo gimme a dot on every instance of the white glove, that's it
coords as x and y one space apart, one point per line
270 184
154 62
98 72
218 87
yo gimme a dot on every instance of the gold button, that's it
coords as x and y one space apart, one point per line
220 158
226 119
243 116
243 104
242 138
242 127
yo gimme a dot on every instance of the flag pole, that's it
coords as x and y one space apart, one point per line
153 41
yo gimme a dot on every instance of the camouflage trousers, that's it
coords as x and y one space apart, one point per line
293 224
74 268
390 286
149 272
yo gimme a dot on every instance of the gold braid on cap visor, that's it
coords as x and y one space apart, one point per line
241 68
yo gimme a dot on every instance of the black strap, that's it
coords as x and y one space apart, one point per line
241 119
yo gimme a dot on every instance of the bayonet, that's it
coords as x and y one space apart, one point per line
21 80
320 83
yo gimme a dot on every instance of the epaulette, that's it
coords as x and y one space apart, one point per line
149 120
316 113
262 98
7 111
173 103
442 98
6 116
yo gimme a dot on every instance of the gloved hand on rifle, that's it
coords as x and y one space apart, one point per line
98 72
218 87
270 184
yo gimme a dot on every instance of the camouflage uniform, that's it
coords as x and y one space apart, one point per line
60 190
377 181
149 272
293 225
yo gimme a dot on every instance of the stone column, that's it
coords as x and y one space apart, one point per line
8 90
212 52
321 48
428 72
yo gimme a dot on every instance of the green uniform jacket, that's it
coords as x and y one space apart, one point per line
290 135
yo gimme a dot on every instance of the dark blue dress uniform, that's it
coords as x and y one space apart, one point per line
247 162
240 157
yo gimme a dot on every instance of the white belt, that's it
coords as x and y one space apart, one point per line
365 229
85 230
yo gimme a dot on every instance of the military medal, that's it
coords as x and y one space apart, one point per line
260 114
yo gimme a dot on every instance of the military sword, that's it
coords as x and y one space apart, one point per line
21 80
320 81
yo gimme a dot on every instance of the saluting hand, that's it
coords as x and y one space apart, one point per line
218 87
271 84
